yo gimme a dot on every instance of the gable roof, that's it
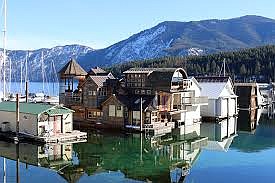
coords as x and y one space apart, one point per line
32 108
215 87
98 80
148 70
212 90
72 68
213 79
97 71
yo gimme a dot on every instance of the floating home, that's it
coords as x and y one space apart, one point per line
147 99
38 121
222 101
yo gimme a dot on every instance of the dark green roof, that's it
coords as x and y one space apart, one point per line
31 108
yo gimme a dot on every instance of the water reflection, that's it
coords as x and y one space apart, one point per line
147 159
129 156
220 134
118 157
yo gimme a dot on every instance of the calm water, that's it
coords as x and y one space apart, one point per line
51 89
112 157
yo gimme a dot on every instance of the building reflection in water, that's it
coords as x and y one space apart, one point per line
135 156
248 120
55 157
220 134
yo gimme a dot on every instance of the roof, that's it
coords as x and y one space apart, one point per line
214 87
32 108
97 71
148 70
213 79
212 90
100 80
72 68
245 84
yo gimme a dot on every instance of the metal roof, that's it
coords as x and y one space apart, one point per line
148 70
212 90
31 108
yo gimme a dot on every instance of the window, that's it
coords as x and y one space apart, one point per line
94 93
137 91
119 112
94 114
98 114
148 92
142 91
90 114
90 92
112 110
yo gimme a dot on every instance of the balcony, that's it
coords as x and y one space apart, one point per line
74 99
180 85
195 101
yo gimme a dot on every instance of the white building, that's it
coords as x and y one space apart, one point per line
222 101
38 120
190 100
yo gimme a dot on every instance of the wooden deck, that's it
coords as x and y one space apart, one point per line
76 135
73 137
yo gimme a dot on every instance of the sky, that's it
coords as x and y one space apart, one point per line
33 24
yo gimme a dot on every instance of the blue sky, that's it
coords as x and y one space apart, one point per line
34 24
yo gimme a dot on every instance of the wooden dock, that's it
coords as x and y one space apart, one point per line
65 137
74 136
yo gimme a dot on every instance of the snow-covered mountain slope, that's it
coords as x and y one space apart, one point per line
58 55
186 38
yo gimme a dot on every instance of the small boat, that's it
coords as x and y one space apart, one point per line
51 100
12 98
38 98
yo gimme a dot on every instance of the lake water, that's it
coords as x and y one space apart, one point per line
51 89
114 157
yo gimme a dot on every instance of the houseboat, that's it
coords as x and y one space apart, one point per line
222 101
153 100
41 122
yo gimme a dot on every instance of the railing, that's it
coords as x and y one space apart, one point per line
195 100
181 85
158 125
74 99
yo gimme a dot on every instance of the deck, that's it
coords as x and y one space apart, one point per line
64 137
74 136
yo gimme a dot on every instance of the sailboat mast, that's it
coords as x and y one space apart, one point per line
4 48
223 67
42 70
4 170
21 77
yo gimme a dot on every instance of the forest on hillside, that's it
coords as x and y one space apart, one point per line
246 64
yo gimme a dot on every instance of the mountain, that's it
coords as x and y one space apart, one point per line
58 55
186 38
